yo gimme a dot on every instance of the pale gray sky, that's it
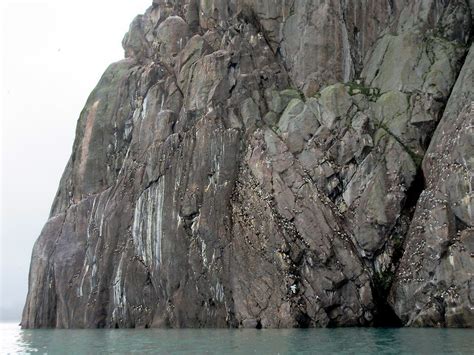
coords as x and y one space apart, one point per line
52 53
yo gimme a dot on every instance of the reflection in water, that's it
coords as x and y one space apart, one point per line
218 341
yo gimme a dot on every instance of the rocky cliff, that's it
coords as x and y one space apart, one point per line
272 163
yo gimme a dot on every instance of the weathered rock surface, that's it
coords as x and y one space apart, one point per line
258 164
434 283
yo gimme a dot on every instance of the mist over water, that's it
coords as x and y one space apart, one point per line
237 341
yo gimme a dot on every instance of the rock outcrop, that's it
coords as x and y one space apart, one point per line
434 283
270 164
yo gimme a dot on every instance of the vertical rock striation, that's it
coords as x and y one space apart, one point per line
275 163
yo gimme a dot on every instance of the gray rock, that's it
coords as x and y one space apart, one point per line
171 36
258 164
433 285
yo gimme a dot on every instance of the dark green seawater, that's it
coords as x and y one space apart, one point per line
223 341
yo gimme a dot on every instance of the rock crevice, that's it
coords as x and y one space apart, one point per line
269 164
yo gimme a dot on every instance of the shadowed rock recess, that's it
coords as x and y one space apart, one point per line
271 163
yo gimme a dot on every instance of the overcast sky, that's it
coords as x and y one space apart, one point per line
52 53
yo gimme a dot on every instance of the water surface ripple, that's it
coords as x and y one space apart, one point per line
236 341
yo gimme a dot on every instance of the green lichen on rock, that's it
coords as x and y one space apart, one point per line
205 190
357 87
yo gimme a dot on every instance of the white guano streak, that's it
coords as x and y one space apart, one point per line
159 220
347 64
147 224
120 298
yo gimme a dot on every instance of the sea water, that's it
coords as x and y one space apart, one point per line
237 341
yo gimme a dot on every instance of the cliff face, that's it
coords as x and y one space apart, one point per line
285 163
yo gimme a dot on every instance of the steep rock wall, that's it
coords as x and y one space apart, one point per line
258 164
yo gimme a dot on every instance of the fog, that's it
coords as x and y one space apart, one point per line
52 54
